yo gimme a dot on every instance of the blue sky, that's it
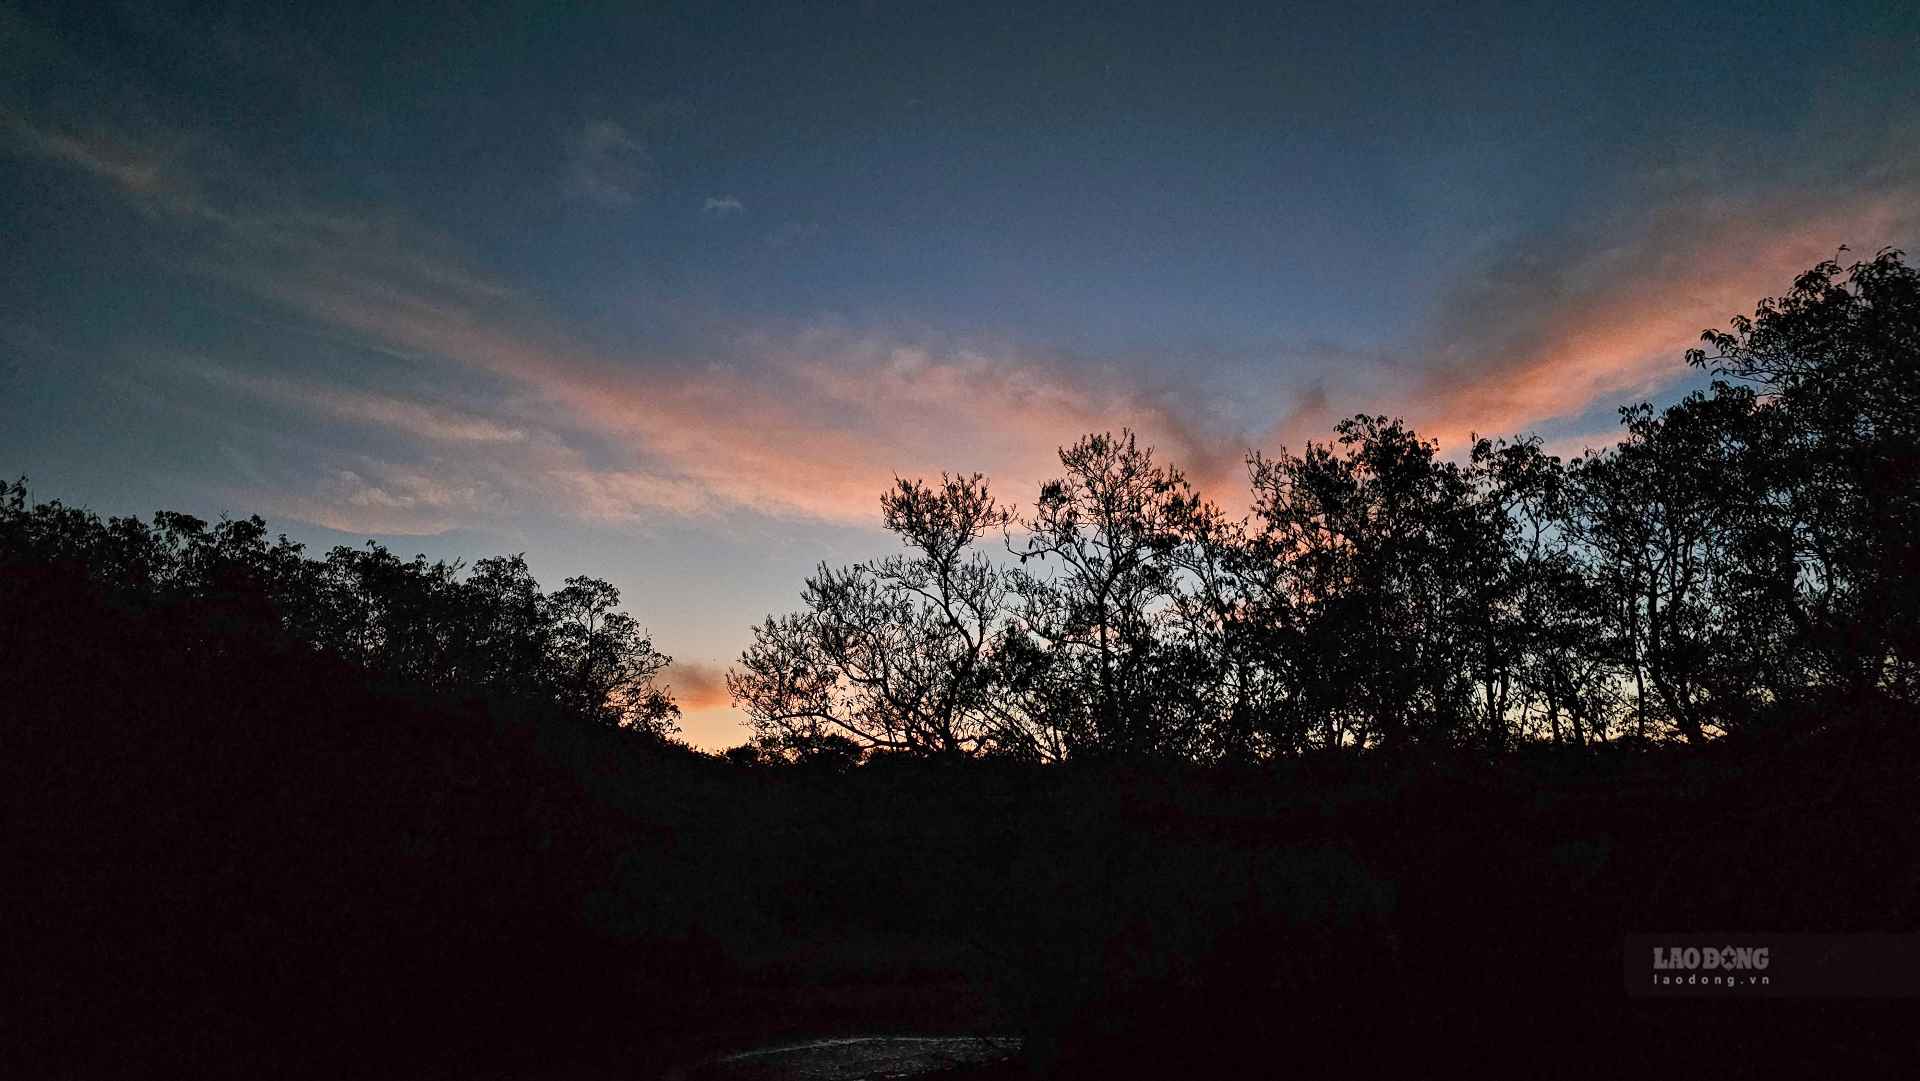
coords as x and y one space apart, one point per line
668 294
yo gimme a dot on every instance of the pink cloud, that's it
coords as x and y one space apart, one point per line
1550 334
815 423
817 426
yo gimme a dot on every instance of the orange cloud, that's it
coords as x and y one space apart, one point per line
1562 324
815 423
1619 333
698 687
708 720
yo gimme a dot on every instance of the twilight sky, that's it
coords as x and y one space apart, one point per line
668 294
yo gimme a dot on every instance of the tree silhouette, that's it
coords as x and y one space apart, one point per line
904 653
1111 525
1388 562
606 664
1834 362
412 621
1733 558
1554 662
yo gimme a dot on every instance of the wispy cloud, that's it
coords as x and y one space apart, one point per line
433 422
1547 332
605 163
1598 312
147 169
814 421
381 497
809 423
626 495
133 168
722 205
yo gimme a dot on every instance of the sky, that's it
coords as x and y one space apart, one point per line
670 294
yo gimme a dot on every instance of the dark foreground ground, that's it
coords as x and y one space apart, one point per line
225 857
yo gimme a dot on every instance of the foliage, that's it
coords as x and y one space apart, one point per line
491 630
1735 555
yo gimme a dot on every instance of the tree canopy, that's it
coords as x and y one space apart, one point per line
1738 561
433 624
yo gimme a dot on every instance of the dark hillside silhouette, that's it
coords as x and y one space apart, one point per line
1381 773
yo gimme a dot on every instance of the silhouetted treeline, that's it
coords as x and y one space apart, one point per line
357 817
274 816
1741 561
491 630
